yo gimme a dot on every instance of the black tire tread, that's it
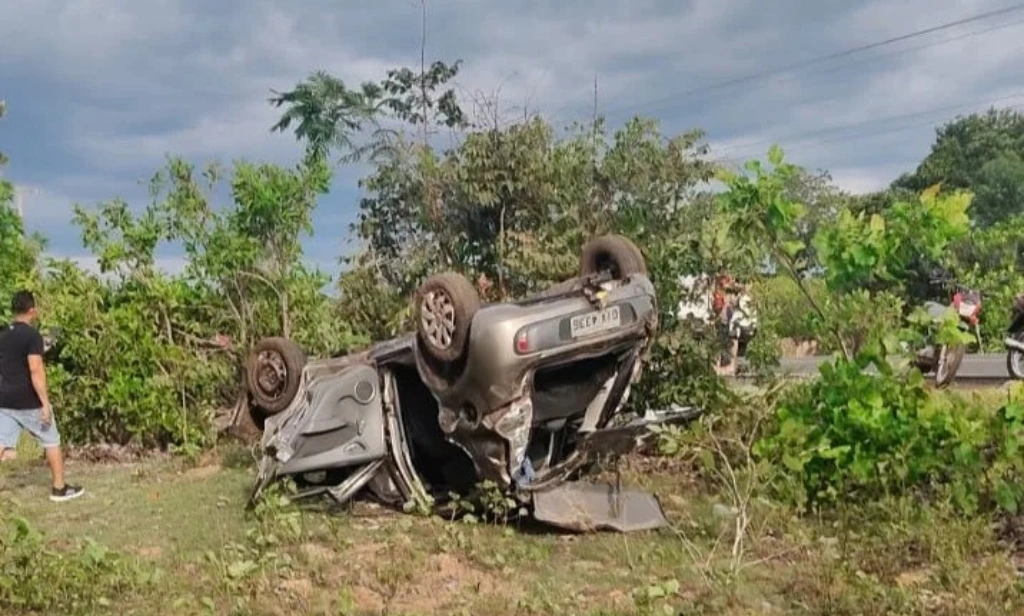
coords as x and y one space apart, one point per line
294 361
616 248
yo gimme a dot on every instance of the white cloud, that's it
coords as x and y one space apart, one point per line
859 180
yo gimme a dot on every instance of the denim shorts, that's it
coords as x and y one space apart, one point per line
12 422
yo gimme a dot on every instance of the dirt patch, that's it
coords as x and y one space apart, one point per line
151 553
316 553
299 588
111 454
444 579
366 600
364 551
916 577
791 347
202 472
1010 533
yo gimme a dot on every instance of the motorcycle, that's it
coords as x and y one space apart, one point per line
945 359
1015 340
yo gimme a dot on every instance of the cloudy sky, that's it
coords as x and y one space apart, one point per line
100 91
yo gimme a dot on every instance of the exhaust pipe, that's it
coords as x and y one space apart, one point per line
1014 344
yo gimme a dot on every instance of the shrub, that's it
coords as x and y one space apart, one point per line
780 301
853 436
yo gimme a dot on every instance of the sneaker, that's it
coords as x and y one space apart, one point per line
68 492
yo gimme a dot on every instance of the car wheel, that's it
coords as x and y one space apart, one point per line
273 374
613 253
445 306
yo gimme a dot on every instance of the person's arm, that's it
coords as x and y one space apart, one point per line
38 373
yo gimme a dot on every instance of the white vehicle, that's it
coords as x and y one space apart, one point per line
695 301
743 323
695 306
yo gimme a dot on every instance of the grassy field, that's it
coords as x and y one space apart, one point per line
181 543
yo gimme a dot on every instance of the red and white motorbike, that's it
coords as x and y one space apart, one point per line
945 359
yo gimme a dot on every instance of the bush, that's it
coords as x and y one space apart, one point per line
780 302
149 357
679 371
852 436
991 260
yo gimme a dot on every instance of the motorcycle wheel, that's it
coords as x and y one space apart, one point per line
1015 361
948 363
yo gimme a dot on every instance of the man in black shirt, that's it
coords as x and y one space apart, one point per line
24 403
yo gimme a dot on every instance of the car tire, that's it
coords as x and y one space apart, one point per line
273 373
613 252
445 306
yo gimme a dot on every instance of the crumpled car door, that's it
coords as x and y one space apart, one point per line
339 427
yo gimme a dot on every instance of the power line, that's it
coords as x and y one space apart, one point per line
821 59
739 158
873 59
909 50
944 110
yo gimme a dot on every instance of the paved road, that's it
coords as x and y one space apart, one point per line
982 366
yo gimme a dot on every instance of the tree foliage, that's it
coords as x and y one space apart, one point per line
148 356
852 435
980 152
327 115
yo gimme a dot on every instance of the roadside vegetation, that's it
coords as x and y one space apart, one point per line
851 494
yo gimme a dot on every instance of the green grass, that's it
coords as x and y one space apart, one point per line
190 524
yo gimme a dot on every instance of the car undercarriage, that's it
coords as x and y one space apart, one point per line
520 395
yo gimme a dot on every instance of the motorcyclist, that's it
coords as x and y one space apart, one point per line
723 306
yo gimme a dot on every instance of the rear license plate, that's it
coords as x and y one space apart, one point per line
595 322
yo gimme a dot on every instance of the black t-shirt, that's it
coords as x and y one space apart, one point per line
16 343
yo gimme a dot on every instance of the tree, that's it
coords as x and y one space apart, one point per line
514 204
991 259
821 198
19 254
867 260
999 189
981 153
328 115
150 357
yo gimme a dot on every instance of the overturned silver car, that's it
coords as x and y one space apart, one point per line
520 394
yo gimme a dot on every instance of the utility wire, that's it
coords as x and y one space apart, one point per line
909 50
821 59
942 111
871 60
809 143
